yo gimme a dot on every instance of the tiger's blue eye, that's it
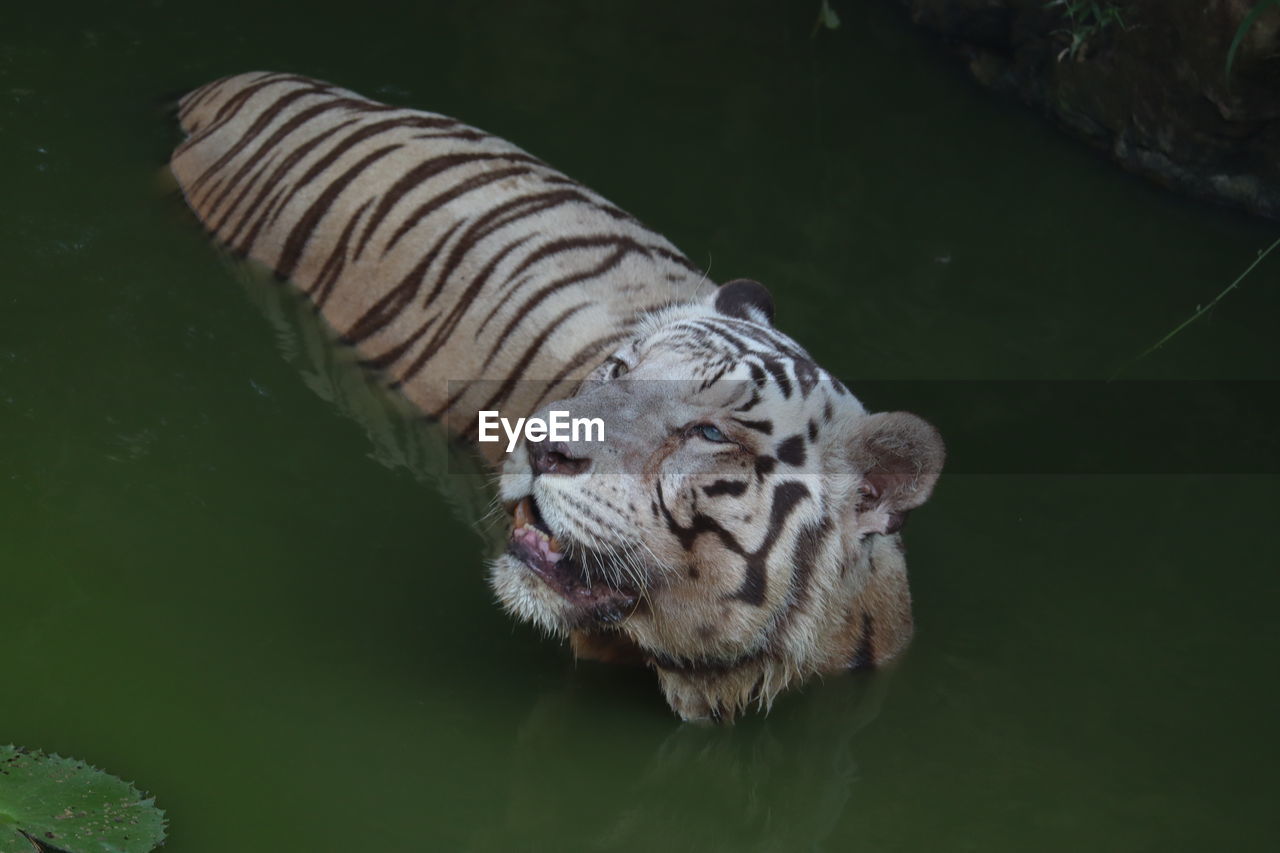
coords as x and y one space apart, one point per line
710 433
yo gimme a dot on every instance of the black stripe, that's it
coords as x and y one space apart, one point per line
764 466
675 257
301 233
804 558
567 244
388 357
472 183
233 105
397 299
864 656
272 183
519 369
791 451
411 180
589 512
197 97
502 215
707 665
755 400
361 134
268 114
281 133
717 376
455 315
580 359
245 245
733 488
765 427
527 308
208 215
786 496
738 345
494 219
228 111
336 262
779 374
467 134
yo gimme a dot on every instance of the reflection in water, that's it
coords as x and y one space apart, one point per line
401 436
764 784
776 782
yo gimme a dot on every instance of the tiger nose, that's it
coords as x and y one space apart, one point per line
554 457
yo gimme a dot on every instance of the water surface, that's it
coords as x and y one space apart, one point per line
215 582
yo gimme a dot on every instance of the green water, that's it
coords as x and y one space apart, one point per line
211 584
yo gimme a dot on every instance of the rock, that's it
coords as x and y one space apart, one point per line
1152 91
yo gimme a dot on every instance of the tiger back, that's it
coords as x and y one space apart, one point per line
456 263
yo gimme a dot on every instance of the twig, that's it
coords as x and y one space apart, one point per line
1202 310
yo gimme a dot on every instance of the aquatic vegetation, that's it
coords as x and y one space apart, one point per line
1146 85
1085 20
48 802
1201 310
1243 30
827 18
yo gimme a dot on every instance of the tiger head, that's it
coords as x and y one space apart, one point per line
736 528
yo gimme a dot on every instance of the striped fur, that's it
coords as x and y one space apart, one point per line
737 531
444 254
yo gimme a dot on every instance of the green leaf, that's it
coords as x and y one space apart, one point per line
827 18
1243 30
69 806
830 19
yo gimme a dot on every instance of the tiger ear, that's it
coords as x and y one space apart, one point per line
898 457
744 299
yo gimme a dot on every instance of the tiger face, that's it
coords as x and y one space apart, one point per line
736 529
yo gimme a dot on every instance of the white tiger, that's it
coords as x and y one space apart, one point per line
736 530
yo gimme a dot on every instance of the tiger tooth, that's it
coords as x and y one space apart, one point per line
521 514
554 544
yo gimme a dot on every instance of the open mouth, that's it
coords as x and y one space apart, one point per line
534 545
